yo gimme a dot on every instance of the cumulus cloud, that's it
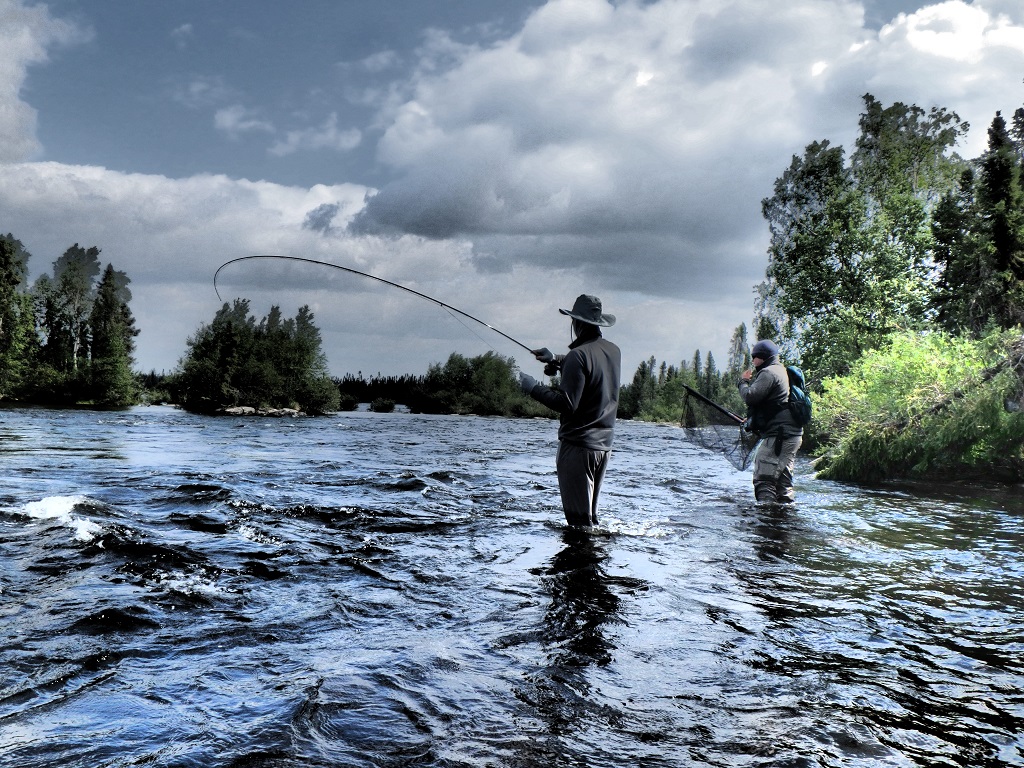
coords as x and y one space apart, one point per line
638 139
236 120
660 125
26 36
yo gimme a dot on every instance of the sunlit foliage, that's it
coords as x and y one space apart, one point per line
929 406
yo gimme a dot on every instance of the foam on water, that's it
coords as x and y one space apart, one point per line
60 508
191 584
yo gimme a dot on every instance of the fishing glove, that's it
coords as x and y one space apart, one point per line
544 354
527 382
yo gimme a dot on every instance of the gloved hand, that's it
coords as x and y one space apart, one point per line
527 382
543 354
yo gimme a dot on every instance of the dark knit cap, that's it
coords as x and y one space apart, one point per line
764 349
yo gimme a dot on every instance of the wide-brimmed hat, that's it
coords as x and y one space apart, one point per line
587 309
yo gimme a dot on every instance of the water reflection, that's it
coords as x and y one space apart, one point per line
575 634
772 529
581 603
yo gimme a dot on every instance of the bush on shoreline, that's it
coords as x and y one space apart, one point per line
926 406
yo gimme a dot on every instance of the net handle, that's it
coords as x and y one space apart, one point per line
713 404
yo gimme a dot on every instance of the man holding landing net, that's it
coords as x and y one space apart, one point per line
587 397
765 390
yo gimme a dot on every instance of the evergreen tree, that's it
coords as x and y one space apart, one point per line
113 335
712 379
1017 132
17 320
637 396
739 352
274 363
308 376
1002 222
67 301
964 288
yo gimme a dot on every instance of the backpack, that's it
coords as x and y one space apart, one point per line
799 400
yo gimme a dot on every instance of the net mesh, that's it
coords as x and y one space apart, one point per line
715 430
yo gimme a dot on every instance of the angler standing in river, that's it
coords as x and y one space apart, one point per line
587 397
765 390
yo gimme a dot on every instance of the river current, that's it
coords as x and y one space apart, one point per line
401 590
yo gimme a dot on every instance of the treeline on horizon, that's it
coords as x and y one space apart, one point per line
69 338
485 386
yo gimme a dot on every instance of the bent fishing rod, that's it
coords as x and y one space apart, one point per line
738 419
440 303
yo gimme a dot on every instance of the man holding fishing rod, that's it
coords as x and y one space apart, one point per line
587 397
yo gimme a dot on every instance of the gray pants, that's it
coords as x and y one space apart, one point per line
773 470
580 473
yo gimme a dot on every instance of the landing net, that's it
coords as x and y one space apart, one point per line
715 428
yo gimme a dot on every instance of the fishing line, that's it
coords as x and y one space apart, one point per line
469 328
440 303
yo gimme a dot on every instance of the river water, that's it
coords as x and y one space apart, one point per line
400 590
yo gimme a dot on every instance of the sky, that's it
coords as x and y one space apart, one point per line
501 156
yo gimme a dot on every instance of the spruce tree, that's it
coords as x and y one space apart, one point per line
113 335
16 316
1001 218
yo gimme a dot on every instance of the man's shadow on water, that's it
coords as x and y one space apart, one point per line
574 634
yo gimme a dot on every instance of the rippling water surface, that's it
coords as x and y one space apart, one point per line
400 590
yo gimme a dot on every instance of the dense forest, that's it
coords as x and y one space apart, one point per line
69 337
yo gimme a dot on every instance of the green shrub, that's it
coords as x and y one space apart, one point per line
347 402
925 406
